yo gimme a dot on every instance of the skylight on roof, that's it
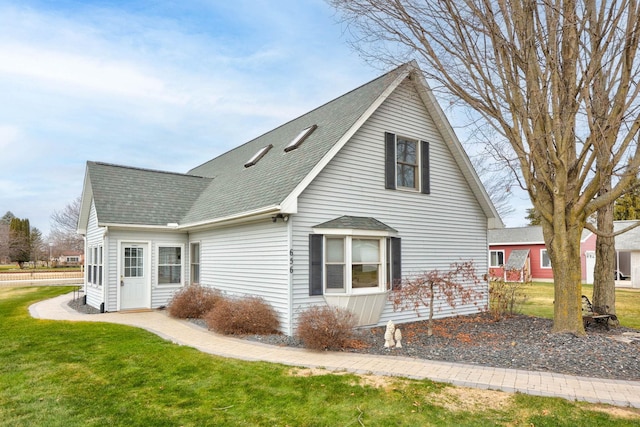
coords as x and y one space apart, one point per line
256 157
295 143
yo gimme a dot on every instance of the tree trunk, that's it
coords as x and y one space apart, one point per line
431 300
604 286
564 253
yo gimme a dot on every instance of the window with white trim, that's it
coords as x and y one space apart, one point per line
169 265
94 265
100 258
496 259
195 263
545 261
89 264
353 264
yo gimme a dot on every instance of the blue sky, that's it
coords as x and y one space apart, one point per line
154 84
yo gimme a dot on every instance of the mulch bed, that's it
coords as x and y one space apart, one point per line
516 342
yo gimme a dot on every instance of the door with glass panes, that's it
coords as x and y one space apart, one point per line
134 275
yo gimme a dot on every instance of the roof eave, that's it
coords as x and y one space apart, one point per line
85 204
516 243
263 212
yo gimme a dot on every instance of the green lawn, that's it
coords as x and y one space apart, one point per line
540 302
92 374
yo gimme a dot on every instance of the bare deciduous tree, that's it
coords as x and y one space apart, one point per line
557 79
459 285
64 224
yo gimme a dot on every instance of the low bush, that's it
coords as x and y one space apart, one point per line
326 328
243 316
193 302
506 298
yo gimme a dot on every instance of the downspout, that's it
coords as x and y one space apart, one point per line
84 272
105 269
83 268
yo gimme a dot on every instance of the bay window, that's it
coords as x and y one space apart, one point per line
353 264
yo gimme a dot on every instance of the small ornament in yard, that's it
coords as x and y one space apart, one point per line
388 335
398 336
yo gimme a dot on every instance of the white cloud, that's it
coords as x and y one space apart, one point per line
83 72
161 85
8 136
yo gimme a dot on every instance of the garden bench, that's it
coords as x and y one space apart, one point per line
589 315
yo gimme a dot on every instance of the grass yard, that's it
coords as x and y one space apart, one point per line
540 302
93 374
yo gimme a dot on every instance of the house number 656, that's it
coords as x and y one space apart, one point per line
291 261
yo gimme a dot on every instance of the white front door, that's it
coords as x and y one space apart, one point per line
590 258
134 275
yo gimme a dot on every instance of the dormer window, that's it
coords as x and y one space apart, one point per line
256 157
299 139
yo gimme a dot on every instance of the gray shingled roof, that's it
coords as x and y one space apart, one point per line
125 195
356 222
224 186
238 189
531 234
521 235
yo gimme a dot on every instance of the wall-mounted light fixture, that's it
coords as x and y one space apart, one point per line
284 218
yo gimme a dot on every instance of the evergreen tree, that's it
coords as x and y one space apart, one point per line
19 241
532 217
627 206
6 218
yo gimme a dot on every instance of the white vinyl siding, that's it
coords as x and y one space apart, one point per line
160 294
437 229
249 259
94 293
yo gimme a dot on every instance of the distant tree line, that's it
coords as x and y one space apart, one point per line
20 243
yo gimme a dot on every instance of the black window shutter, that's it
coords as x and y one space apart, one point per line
396 262
389 161
315 264
426 184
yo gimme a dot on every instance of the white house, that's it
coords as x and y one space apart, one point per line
333 207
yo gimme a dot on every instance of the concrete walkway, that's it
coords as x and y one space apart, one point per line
614 392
